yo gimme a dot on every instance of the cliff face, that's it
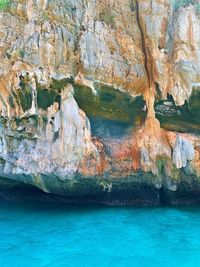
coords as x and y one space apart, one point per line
100 99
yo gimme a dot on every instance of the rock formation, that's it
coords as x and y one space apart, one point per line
100 100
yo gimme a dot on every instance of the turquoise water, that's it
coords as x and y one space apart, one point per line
35 235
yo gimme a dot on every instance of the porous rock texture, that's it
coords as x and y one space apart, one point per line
100 100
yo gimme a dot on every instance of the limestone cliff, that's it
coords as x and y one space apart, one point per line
100 99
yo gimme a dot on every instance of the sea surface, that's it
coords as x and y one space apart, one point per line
56 235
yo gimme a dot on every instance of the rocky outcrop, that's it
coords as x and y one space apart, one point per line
99 100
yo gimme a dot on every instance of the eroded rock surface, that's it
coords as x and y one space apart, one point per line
101 98
182 153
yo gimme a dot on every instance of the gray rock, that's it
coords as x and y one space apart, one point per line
182 152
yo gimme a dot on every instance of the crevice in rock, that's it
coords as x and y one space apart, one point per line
143 44
162 197
150 90
158 91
